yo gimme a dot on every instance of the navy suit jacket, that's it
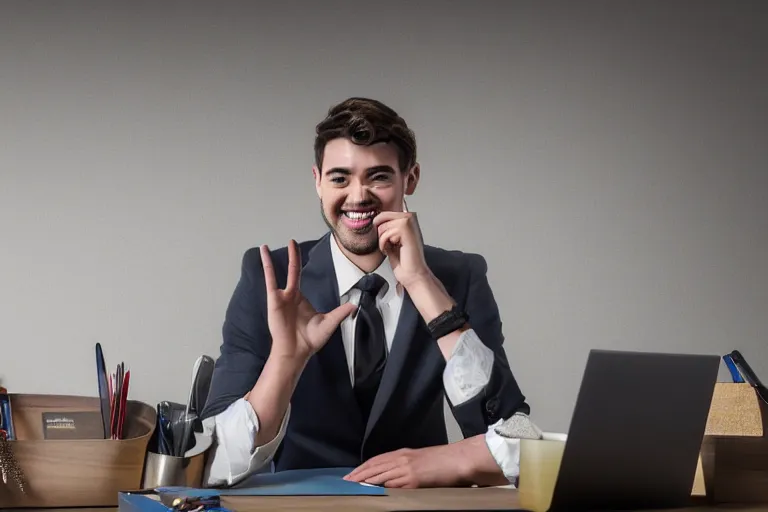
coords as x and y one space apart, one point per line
326 428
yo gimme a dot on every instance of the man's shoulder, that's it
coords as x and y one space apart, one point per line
440 259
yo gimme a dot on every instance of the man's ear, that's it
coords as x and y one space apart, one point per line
412 180
318 178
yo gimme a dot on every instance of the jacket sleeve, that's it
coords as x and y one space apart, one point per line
501 397
246 340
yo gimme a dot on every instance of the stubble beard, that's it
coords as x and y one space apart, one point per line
360 243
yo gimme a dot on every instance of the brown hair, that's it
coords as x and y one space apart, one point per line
365 121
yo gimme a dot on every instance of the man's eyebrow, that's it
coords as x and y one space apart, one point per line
338 170
371 170
379 168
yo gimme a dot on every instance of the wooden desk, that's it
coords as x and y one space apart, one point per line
397 500
401 500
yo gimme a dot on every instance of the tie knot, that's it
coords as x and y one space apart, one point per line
371 283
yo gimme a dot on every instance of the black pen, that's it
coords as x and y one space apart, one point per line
749 375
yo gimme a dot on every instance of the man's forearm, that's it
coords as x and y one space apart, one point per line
272 393
431 300
478 467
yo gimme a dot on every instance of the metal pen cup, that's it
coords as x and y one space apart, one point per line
166 471
183 468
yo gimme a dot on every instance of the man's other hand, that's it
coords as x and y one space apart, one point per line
435 466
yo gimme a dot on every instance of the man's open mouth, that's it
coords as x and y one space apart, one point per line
360 215
358 219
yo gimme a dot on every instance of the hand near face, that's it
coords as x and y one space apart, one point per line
297 329
434 466
400 239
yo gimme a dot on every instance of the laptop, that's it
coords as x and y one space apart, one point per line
636 431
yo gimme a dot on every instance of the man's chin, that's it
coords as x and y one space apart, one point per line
360 244
362 250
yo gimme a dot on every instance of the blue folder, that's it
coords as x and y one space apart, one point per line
297 482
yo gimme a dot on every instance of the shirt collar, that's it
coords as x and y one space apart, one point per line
348 274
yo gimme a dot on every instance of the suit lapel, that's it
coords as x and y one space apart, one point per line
401 346
319 286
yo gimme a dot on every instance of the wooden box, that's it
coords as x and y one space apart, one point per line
77 472
734 457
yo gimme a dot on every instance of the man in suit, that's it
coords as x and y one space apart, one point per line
339 352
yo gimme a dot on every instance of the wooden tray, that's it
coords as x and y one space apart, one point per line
733 466
75 473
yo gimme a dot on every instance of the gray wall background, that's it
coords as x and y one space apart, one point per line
609 159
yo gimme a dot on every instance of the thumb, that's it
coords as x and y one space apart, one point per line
332 319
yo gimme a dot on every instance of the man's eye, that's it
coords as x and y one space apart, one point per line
381 177
338 180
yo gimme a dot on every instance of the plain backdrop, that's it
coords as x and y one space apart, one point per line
609 159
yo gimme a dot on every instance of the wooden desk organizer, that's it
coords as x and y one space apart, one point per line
75 473
733 466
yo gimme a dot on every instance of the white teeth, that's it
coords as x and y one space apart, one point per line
359 215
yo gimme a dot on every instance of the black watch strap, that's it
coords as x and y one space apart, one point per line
447 322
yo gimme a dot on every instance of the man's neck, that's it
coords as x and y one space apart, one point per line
365 262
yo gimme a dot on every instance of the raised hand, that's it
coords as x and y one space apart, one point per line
297 329
400 239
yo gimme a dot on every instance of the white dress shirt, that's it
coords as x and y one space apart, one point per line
467 371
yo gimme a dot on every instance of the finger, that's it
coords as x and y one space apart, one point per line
294 266
403 482
387 224
385 477
332 319
269 271
399 224
352 475
387 216
366 472
373 461
389 239
382 458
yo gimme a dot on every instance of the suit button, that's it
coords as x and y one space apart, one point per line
492 408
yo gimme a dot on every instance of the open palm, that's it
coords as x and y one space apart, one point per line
297 329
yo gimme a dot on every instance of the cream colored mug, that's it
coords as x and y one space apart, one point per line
539 466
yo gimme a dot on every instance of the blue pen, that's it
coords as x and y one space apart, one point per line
6 415
735 373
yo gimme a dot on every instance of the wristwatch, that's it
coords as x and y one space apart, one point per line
447 322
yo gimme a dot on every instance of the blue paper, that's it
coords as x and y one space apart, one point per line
296 482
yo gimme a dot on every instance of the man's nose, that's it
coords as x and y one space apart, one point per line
359 192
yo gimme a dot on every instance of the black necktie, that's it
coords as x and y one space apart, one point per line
370 343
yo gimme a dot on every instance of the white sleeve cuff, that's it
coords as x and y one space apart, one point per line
468 370
505 451
503 440
234 456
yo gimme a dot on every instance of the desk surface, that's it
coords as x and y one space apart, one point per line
400 500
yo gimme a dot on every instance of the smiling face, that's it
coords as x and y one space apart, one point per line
357 182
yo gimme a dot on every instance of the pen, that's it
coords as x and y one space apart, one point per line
745 369
6 416
735 374
749 375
